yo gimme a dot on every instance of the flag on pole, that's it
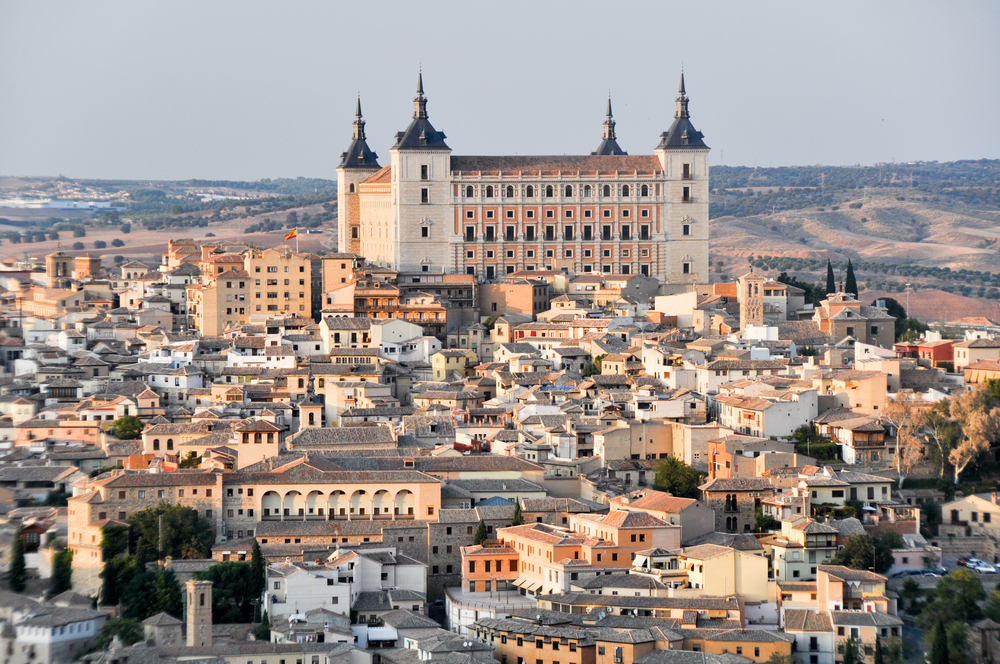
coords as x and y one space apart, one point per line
293 233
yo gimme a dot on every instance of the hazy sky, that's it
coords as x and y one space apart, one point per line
245 90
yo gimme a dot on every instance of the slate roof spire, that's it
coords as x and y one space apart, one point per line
420 135
682 133
682 101
420 102
358 154
609 146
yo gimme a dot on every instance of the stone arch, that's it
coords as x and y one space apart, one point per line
270 504
359 503
381 503
314 503
291 503
404 503
337 504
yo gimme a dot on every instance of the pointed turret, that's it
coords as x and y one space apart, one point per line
682 133
609 146
420 135
359 155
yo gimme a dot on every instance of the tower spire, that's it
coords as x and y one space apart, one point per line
682 100
609 123
420 102
359 122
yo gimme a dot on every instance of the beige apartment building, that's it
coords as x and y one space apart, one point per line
219 303
281 283
607 212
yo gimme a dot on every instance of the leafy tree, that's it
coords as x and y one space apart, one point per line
78 246
79 231
958 642
676 477
117 242
127 629
126 228
185 535
518 517
879 655
128 427
763 524
490 322
166 590
17 576
956 597
864 551
781 658
231 591
851 654
942 431
100 244
910 593
192 460
594 367
992 610
263 632
62 571
480 537
831 283
904 414
850 282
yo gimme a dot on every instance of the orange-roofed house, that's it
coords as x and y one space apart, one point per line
693 516
551 557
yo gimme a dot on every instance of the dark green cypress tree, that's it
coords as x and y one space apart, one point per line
62 571
850 283
939 645
518 517
480 533
851 652
257 575
263 632
831 283
17 576
879 655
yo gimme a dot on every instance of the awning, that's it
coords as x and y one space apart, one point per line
383 633
534 585
521 582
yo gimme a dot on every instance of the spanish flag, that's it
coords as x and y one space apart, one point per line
293 233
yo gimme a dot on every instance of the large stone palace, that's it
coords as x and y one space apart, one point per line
606 212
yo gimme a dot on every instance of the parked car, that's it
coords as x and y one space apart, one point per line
901 575
983 568
963 561
971 562
930 572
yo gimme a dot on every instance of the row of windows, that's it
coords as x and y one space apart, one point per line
644 270
551 253
568 214
550 191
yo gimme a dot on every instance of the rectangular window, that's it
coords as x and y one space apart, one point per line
423 171
425 195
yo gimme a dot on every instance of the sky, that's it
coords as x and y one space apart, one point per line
245 90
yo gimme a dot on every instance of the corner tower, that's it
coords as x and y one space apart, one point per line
356 165
199 613
421 227
683 156
750 293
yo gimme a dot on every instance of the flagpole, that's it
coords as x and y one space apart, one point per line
296 240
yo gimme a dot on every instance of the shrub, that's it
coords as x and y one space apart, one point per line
100 244
78 245
117 242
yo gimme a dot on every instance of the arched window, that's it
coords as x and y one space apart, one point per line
645 190
469 192
510 192
170 443
625 190
352 187
569 190
529 192
156 443
607 190
489 191
586 191
549 191
312 418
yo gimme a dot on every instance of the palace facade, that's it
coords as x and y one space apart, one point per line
606 212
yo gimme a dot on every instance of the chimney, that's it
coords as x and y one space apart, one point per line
993 497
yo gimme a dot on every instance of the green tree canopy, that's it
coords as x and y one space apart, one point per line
831 282
676 477
956 597
864 551
263 632
258 573
939 644
185 535
231 591
17 576
127 629
62 571
127 428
